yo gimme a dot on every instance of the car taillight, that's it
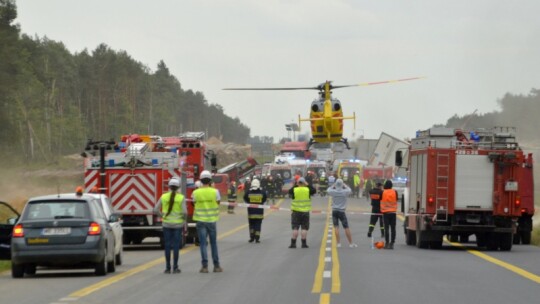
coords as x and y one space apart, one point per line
94 229
18 231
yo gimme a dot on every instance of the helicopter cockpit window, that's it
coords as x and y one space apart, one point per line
336 104
317 105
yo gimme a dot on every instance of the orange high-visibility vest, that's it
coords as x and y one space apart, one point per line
389 201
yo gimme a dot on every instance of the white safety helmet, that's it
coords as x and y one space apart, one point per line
206 174
255 184
174 182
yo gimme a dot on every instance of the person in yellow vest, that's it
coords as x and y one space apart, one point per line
206 214
171 208
257 196
301 207
388 209
356 184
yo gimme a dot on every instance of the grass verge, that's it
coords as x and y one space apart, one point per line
5 265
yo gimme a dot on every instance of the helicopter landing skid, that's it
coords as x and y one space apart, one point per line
342 140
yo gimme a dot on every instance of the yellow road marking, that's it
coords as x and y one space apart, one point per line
104 283
318 279
336 280
508 266
324 298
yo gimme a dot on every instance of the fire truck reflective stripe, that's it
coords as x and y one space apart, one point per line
137 192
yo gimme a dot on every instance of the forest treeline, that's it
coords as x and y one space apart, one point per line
518 111
53 101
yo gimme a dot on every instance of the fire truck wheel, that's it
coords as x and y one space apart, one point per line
505 241
420 242
410 237
435 244
525 237
480 240
492 241
517 238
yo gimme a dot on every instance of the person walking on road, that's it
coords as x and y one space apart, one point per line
375 195
301 206
356 184
255 195
206 214
339 193
389 209
171 208
231 197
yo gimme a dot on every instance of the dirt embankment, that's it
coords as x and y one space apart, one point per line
18 184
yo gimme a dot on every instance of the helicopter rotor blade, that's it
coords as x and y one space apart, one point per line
270 89
376 82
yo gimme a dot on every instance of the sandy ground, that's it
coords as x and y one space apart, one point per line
18 184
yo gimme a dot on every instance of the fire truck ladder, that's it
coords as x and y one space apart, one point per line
443 167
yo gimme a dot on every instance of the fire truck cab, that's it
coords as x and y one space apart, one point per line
462 184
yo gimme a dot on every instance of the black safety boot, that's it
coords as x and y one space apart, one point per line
257 239
391 246
293 243
304 244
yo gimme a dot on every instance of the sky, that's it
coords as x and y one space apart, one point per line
471 53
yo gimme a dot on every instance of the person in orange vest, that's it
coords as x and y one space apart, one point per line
389 209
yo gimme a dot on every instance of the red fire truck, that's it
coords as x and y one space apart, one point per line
525 221
137 174
463 184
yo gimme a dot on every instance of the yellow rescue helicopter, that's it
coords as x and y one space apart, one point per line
326 114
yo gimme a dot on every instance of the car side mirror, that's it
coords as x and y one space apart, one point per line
115 217
12 221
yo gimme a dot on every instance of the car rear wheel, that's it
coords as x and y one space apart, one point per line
17 270
119 257
101 266
111 265
30 269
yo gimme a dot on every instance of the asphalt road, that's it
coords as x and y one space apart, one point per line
270 272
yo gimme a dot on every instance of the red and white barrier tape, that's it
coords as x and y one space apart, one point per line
272 207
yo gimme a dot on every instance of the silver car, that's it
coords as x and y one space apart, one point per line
63 230
118 231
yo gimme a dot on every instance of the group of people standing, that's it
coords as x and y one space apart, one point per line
172 209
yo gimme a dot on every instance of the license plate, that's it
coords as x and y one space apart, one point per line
57 231
34 241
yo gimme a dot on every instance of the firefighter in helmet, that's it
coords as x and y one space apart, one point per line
256 196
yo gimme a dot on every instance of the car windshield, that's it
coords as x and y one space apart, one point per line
56 210
285 174
399 184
